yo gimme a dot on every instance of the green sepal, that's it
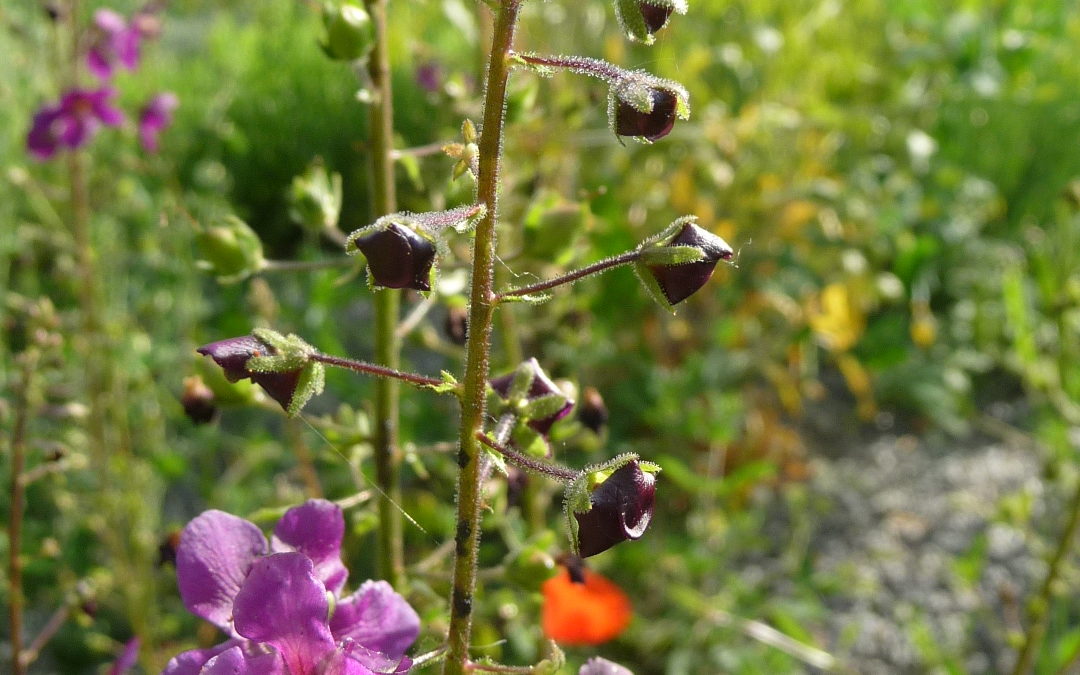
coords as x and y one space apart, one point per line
632 21
290 352
671 255
522 382
543 406
649 282
554 660
315 198
576 500
449 384
530 299
529 441
311 383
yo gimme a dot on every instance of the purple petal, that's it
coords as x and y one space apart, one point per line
154 117
109 22
232 355
216 552
284 605
599 666
98 61
192 661
315 529
42 140
235 662
351 658
377 618
101 100
126 660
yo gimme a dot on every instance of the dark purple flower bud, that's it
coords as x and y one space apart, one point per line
679 281
592 412
233 354
457 325
652 126
167 548
155 117
540 386
398 257
655 16
198 400
72 122
622 508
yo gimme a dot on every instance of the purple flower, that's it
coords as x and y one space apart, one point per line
652 125
271 598
127 659
622 508
533 385
114 42
154 117
72 122
233 354
599 666
678 282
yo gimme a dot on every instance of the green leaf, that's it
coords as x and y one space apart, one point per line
449 384
671 255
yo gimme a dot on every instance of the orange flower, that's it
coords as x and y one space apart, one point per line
583 614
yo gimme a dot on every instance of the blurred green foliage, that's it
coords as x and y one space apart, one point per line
900 180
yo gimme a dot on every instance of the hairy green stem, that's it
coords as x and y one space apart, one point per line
387 309
379 371
1040 607
16 600
482 305
559 473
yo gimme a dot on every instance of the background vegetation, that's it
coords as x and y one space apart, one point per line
902 183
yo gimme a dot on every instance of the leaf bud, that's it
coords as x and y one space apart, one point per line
530 393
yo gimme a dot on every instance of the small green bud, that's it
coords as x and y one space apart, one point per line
231 249
350 33
315 198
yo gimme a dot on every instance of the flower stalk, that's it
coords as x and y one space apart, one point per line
379 371
482 305
16 600
571 277
554 471
387 308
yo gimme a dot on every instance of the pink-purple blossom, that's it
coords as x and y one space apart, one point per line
72 122
271 599
115 42
155 117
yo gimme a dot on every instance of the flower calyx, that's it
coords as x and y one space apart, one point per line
536 402
401 248
315 198
642 19
282 365
610 503
466 153
674 264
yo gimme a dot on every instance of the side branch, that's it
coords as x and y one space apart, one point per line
377 370
595 268
559 473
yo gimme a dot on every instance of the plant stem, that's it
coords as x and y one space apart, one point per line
16 600
48 631
559 473
595 268
387 308
582 64
381 372
1040 607
482 306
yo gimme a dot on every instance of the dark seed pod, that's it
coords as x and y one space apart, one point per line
457 325
592 412
652 126
198 400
